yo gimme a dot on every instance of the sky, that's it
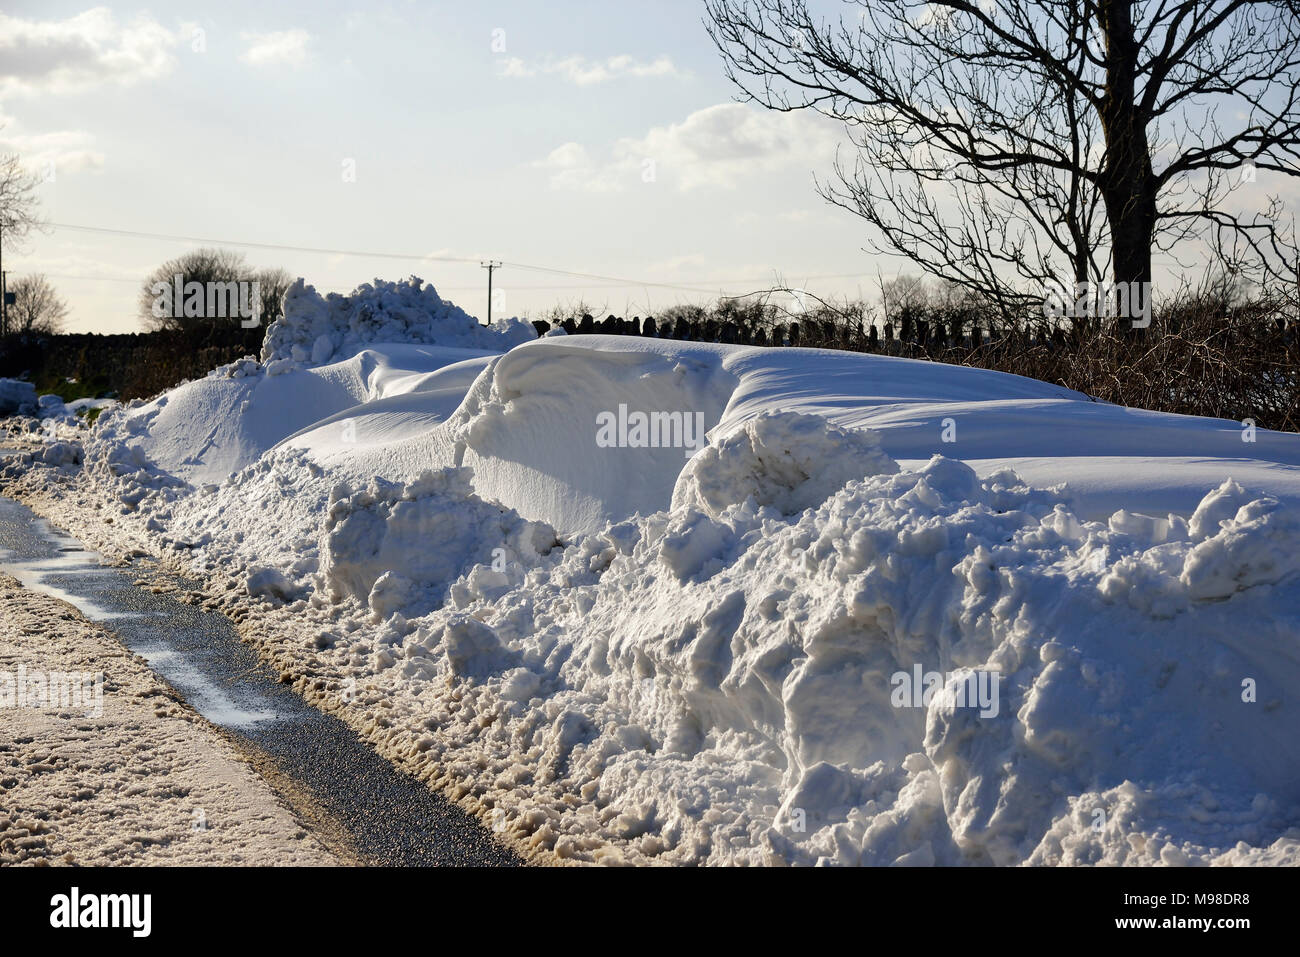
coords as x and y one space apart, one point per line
351 141
594 138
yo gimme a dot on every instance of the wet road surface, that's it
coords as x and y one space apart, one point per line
350 794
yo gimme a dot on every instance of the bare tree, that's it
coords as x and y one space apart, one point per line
903 292
202 266
273 283
18 200
18 208
37 306
1068 129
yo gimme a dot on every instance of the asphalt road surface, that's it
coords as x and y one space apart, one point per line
362 806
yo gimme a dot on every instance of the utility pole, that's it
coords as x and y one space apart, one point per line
489 266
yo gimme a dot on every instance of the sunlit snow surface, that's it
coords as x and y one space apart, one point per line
660 657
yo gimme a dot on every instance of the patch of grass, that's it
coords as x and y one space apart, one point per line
95 388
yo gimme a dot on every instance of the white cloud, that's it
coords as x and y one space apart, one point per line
65 151
805 215
84 51
712 147
572 168
567 157
284 46
514 66
68 261
584 72
50 154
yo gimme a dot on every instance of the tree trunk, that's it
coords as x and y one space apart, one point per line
1128 182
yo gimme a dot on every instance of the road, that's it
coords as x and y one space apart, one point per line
357 803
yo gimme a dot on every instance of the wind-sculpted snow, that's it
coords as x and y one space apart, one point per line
317 361
820 637
551 429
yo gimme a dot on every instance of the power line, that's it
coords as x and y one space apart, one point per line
255 245
594 277
365 253
60 275
559 287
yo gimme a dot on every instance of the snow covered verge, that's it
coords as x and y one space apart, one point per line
528 579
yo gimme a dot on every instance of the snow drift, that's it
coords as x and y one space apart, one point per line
636 648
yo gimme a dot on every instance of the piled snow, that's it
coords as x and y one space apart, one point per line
205 430
17 397
739 706
52 407
389 538
791 462
316 362
318 330
688 652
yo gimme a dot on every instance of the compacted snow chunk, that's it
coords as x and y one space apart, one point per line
316 330
17 397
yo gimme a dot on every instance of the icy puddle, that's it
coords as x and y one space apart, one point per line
387 816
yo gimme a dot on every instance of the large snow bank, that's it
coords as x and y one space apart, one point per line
667 650
316 361
527 422
724 687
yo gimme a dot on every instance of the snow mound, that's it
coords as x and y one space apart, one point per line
269 583
392 542
579 436
315 330
17 397
686 697
787 460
